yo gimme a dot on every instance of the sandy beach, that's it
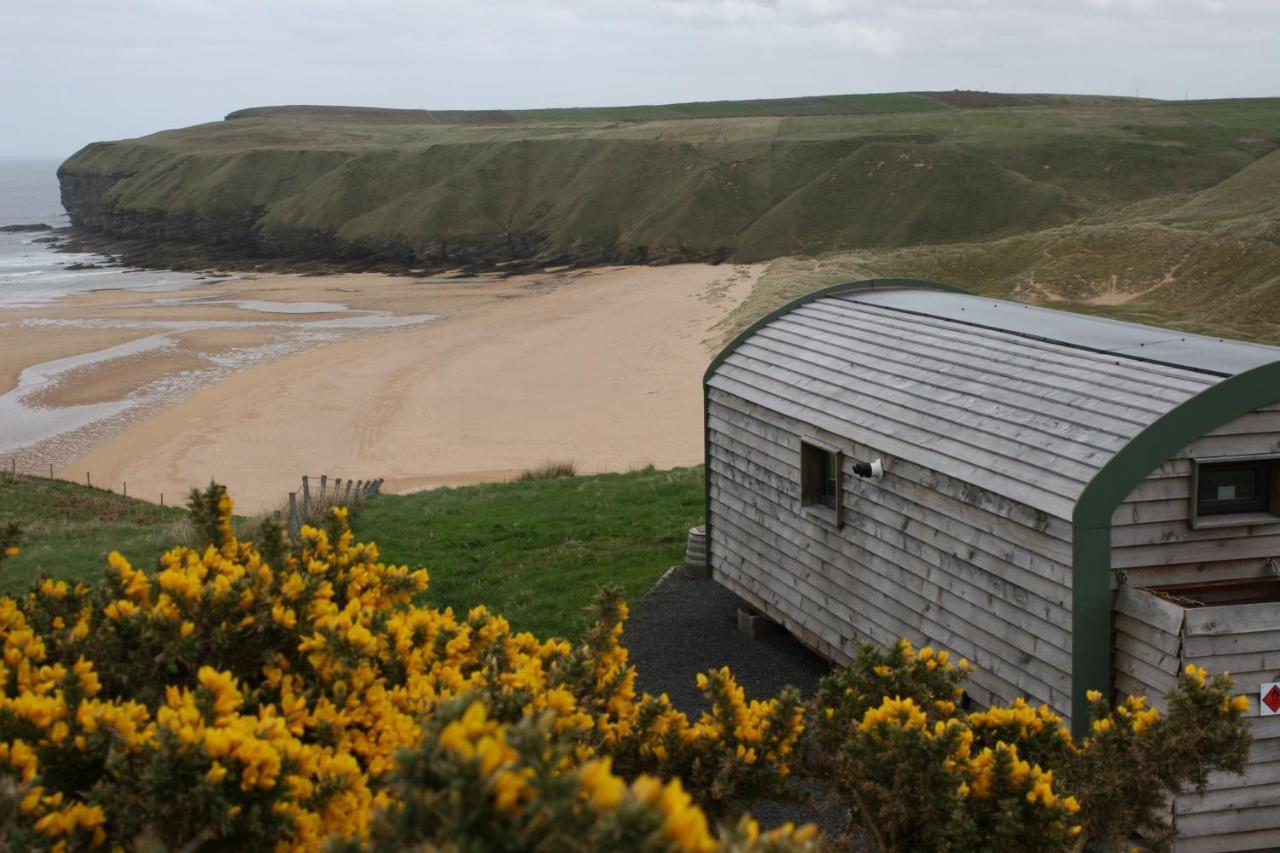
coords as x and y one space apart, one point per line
423 382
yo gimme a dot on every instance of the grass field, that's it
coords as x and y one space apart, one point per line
538 551
535 551
69 529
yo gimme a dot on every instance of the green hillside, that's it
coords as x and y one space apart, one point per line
747 180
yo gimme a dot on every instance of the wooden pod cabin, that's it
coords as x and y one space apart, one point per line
1032 465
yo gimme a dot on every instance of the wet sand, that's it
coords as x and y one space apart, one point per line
485 379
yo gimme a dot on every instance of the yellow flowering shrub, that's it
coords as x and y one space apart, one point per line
293 695
921 773
1135 757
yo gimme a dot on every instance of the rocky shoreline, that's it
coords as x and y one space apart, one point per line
235 239
211 260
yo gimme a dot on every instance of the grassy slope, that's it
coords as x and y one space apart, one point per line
535 552
69 529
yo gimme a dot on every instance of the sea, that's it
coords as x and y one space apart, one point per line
31 271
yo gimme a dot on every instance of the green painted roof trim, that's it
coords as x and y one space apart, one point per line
1091 557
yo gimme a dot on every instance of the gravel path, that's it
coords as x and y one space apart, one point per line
684 626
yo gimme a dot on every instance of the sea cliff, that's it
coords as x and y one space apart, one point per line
413 189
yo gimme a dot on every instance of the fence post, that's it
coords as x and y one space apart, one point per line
346 496
162 499
50 470
294 524
337 489
306 494
124 488
87 481
324 479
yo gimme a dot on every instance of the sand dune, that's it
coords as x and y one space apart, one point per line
601 368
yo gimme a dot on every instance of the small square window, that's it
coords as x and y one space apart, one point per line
1235 492
1229 488
820 478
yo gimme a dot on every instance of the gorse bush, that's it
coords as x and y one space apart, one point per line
920 773
229 702
291 695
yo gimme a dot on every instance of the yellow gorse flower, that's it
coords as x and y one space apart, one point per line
350 673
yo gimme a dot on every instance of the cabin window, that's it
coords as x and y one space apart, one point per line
1239 489
820 484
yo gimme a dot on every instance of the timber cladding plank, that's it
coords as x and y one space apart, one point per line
1232 445
1229 821
1150 512
1230 644
1236 619
1151 609
1263 839
1256 547
1235 797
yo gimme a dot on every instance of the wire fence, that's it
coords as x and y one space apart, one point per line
309 503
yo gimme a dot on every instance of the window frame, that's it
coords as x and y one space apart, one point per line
813 454
1267 513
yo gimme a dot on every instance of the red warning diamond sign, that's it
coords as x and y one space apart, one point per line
1269 698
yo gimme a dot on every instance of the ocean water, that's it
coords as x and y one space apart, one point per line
31 273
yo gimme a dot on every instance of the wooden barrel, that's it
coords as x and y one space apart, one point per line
695 555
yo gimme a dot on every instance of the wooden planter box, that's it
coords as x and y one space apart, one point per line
1226 626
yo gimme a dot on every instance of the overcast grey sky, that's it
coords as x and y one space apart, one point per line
74 71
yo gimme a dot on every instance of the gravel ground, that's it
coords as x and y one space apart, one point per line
684 626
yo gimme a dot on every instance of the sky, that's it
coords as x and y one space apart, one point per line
76 71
